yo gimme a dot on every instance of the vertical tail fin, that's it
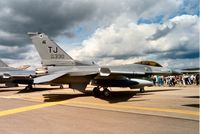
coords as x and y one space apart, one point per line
2 64
49 51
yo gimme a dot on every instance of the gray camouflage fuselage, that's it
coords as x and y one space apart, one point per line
62 69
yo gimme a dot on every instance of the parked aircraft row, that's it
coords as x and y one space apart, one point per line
12 76
61 68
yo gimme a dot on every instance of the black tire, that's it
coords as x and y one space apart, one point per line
96 92
142 90
28 88
106 92
61 87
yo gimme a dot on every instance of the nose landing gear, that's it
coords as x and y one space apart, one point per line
142 90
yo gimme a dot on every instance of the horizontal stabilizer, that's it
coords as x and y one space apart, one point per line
48 78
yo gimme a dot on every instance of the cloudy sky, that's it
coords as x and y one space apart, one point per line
108 32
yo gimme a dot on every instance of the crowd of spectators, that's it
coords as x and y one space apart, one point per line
180 80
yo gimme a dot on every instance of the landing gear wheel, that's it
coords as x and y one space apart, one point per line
142 90
61 87
106 92
28 88
96 91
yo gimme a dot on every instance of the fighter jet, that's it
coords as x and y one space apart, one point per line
63 69
11 76
195 70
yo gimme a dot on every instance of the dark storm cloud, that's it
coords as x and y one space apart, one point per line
52 17
49 16
14 53
20 40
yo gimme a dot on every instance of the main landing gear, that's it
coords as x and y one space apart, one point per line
61 86
97 92
142 90
28 88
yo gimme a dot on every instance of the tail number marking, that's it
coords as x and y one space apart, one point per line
57 56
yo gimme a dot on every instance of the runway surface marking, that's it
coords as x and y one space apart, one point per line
90 105
188 112
28 108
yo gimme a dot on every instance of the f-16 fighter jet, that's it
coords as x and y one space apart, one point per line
63 69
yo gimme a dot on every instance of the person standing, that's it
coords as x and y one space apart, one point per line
197 79
183 79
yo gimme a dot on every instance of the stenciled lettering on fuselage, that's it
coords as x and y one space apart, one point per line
54 53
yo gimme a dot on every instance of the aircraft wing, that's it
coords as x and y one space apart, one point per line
50 77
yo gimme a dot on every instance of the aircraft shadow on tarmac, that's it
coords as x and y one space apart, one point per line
160 90
196 97
44 89
192 105
9 90
120 96
61 97
115 97
37 90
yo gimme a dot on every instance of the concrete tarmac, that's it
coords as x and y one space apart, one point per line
159 110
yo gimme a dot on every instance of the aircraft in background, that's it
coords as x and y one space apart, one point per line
193 70
189 70
11 76
63 69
